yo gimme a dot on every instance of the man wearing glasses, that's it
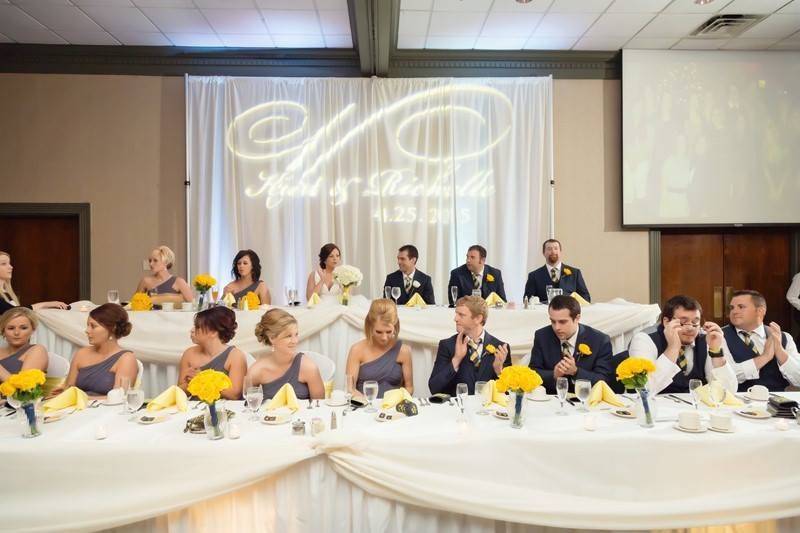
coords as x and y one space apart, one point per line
681 351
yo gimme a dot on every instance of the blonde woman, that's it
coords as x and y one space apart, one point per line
284 364
17 325
8 298
381 356
161 284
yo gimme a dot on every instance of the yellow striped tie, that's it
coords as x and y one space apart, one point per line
748 341
682 359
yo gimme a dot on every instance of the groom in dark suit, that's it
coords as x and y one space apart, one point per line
408 279
570 349
560 276
475 274
471 355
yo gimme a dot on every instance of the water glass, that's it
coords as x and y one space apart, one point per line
293 296
694 384
125 385
476 292
113 296
371 393
134 399
387 292
462 391
288 292
562 386
395 294
454 294
479 385
254 396
583 387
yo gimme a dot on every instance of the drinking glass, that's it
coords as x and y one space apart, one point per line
562 386
462 391
454 294
395 294
125 385
479 385
371 392
113 296
288 292
476 292
583 387
694 384
716 392
349 387
293 296
387 292
548 289
214 293
134 399
254 397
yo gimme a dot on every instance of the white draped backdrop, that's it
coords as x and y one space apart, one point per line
284 165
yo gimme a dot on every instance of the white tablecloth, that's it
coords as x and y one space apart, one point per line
159 338
426 473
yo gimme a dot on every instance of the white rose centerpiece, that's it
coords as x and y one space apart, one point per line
347 276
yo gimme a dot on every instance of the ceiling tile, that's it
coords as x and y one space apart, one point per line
164 3
88 37
116 19
500 43
411 41
172 20
246 40
194 39
413 23
299 41
643 43
420 5
600 43
619 24
689 6
535 6
579 6
449 23
786 45
449 42
292 22
462 5
550 43
38 36
753 7
672 25
338 41
637 6
235 21
749 44
135 38
792 7
331 4
285 4
774 26
103 3
499 24
225 4
565 24
21 27
699 44
334 22
59 17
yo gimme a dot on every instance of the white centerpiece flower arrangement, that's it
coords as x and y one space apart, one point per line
347 277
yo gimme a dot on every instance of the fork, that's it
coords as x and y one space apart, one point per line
93 404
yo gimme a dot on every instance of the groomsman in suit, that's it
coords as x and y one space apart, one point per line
475 274
764 354
472 354
568 348
681 352
410 280
567 278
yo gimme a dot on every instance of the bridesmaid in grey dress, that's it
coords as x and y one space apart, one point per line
103 365
17 325
246 272
161 284
213 329
283 364
381 356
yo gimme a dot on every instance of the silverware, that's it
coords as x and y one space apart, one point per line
677 399
94 404
450 401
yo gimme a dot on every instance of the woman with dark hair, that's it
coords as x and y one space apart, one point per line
321 280
246 274
213 329
101 366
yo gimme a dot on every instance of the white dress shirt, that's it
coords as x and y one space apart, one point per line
790 369
480 280
793 294
550 268
643 346
409 277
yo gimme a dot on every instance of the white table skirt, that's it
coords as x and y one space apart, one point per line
420 474
159 338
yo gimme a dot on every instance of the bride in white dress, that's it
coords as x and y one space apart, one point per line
321 280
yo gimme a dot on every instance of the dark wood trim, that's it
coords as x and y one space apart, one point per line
655 266
83 212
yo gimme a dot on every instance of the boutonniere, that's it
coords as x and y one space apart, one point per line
489 278
584 350
567 271
490 348
415 284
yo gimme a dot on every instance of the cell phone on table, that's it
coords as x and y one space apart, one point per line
574 400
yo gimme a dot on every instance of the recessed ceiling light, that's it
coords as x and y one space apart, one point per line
702 2
523 1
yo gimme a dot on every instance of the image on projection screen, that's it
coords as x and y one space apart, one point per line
710 137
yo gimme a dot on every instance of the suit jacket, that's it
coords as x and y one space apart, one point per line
539 279
461 277
546 354
444 378
424 288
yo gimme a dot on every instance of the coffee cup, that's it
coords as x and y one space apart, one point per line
168 306
337 397
115 395
689 420
758 393
721 421
539 393
533 300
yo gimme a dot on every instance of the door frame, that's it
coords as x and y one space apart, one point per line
83 212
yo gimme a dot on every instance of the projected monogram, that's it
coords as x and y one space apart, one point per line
439 133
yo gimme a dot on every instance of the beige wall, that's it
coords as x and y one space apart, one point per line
118 143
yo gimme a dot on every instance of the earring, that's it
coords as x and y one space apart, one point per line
111 337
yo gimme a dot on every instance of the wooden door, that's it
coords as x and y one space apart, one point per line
45 254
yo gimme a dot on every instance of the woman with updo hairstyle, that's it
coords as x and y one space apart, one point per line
381 356
321 281
213 329
282 363
161 285
102 366
16 326
246 274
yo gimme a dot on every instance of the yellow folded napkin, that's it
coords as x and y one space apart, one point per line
704 395
72 397
491 395
172 397
395 396
314 300
416 300
494 299
229 299
601 392
579 298
285 397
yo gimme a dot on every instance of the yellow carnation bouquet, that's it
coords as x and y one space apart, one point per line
633 373
140 301
24 388
252 301
203 282
208 386
519 379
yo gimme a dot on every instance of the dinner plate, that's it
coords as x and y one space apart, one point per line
151 418
748 397
502 415
623 413
702 429
275 420
757 414
55 416
545 399
107 403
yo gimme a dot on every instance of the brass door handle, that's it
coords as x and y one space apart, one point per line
718 302
728 295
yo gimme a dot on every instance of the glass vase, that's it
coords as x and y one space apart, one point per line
30 419
516 415
214 419
345 295
645 408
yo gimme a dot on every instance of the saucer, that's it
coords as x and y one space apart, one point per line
150 418
718 430
623 413
545 399
748 397
107 403
502 415
701 429
330 403
753 413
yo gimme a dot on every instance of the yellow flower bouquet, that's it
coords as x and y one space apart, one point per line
633 373
207 386
24 388
518 380
251 299
202 284
140 301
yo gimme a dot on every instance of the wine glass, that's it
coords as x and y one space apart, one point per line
125 385
454 294
288 292
214 293
479 385
134 399
583 387
371 392
292 296
462 391
476 292
562 386
716 392
113 296
395 294
387 292
254 395
349 387
694 384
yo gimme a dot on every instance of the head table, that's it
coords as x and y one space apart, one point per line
159 337
431 472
